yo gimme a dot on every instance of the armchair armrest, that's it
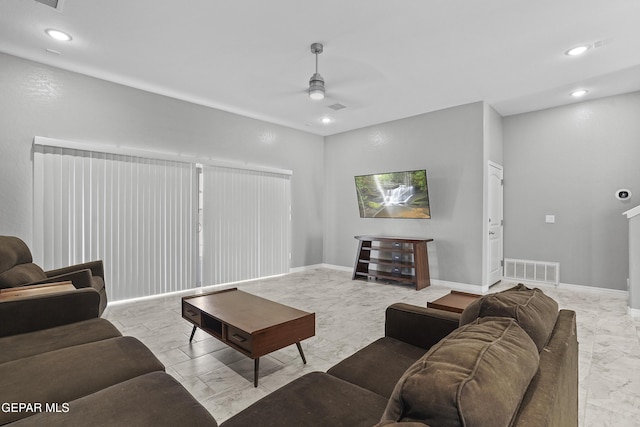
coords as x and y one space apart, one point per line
96 267
419 326
33 313
79 278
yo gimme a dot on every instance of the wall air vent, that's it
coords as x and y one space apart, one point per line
337 107
56 4
532 271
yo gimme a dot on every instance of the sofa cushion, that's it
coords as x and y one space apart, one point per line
313 400
378 366
13 251
552 396
476 376
73 372
21 274
45 340
534 311
97 283
154 399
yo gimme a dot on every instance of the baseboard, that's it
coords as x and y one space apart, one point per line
485 289
592 289
195 290
633 312
569 286
150 297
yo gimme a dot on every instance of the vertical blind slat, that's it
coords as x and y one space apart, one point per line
133 213
246 215
140 217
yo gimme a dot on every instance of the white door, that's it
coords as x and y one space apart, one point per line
494 269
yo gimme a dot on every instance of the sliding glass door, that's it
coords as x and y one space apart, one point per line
159 225
138 215
245 224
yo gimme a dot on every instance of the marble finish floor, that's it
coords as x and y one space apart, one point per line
350 315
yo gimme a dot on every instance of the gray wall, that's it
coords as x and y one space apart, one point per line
568 161
40 100
449 145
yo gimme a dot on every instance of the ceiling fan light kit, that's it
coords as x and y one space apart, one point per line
316 82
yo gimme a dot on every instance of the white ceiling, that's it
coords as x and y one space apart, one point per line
383 59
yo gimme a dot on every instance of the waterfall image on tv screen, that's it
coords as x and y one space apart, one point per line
393 195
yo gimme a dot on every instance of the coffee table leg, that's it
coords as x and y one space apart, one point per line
193 332
301 353
256 368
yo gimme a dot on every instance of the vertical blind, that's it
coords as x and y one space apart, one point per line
246 224
141 215
136 214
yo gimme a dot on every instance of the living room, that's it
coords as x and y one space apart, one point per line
567 161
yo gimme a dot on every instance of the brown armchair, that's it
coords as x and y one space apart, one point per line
17 269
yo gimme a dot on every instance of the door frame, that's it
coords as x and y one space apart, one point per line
486 241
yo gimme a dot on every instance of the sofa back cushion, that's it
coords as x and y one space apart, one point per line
534 311
476 376
21 274
13 251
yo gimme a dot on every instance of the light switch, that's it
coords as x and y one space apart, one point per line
550 219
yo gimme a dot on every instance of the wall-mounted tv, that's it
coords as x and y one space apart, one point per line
393 195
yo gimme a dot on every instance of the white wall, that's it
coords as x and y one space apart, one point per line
40 100
449 145
568 162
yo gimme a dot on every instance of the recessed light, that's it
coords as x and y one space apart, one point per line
578 50
58 35
579 93
326 120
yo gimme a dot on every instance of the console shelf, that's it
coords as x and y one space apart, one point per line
396 259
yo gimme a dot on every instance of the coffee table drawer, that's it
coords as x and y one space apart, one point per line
240 338
191 314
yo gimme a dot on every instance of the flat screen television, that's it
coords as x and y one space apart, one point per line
393 195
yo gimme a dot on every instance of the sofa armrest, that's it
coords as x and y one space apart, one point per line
419 326
33 313
400 424
79 278
96 267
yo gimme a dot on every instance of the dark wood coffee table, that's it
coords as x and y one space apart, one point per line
455 301
252 325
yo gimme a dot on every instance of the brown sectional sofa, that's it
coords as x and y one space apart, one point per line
511 359
82 371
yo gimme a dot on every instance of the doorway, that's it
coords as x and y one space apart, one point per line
494 241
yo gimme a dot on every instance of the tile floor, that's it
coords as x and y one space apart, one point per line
350 315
